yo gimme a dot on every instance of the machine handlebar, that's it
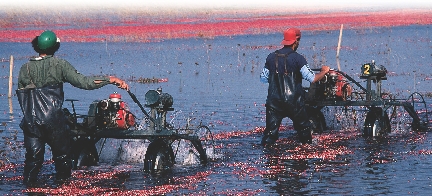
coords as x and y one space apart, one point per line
139 104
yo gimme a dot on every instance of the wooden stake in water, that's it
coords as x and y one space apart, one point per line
10 76
10 84
10 107
339 46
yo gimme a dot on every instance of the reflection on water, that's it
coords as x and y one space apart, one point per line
215 82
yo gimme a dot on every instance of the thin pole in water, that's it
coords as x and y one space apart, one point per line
10 84
10 76
339 46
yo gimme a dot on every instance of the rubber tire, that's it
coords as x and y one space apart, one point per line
318 120
159 156
84 153
207 143
419 126
376 124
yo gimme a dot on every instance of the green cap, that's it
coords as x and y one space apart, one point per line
47 40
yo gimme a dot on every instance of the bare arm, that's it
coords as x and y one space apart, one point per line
321 74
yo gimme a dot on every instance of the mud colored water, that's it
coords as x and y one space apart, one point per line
216 82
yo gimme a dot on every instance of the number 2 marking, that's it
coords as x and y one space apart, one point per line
366 69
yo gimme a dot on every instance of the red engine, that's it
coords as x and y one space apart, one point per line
334 86
342 89
114 113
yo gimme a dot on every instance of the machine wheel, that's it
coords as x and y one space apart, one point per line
377 123
84 153
206 138
159 156
318 120
418 112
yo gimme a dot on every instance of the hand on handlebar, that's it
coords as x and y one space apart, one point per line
119 83
325 69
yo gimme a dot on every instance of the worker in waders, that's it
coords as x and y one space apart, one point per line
40 94
283 71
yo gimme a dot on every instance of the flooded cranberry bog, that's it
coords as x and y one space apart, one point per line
214 80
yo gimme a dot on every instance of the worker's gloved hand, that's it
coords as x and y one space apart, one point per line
119 82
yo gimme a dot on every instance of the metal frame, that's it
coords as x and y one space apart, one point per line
158 129
375 98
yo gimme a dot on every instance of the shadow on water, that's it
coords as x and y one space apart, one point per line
286 175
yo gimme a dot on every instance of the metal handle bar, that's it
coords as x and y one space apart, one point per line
141 107
347 77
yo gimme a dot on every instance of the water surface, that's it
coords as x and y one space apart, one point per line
216 82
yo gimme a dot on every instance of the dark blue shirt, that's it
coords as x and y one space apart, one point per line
294 63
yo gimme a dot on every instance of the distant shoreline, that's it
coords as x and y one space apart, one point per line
128 27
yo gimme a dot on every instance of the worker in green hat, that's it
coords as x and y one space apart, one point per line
40 94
